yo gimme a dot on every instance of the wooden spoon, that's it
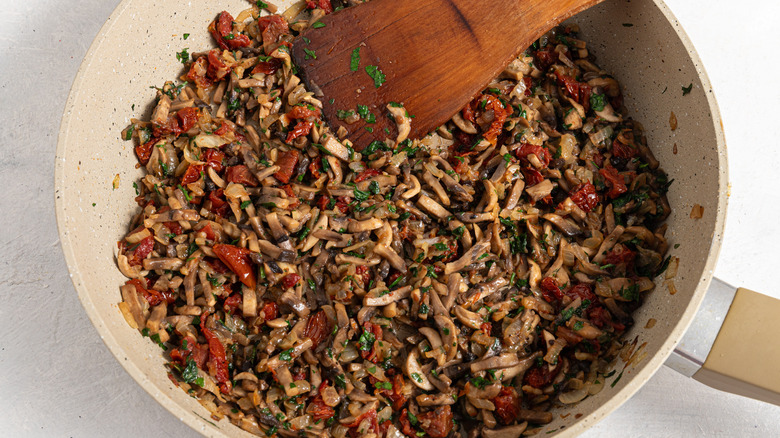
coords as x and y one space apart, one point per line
432 56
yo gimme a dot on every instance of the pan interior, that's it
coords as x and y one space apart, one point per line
638 41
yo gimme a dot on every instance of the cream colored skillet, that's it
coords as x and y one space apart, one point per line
639 41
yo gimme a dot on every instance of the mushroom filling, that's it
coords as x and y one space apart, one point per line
463 283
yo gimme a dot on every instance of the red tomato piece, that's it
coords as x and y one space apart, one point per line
270 310
371 414
436 423
187 118
614 180
268 67
213 159
141 250
198 71
286 162
582 291
545 58
237 259
620 255
406 426
217 359
507 404
550 290
315 168
317 328
272 27
529 84
232 302
241 175
367 174
322 4
486 327
216 68
623 150
571 337
541 153
174 227
364 274
222 31
539 376
584 195
301 129
500 113
319 410
209 232
307 112
376 330
290 280
192 174
218 205
532 176
144 151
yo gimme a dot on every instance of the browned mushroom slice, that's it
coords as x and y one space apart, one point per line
505 360
365 225
471 218
567 227
433 207
383 297
515 431
540 190
449 335
391 256
472 255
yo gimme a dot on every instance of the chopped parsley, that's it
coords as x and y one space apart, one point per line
354 63
376 74
598 102
310 54
183 56
687 90
318 25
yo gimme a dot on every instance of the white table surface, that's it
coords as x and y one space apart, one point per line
58 380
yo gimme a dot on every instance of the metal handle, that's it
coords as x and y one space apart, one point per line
731 344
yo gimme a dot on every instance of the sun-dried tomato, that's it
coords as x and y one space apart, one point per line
218 204
216 68
286 162
237 259
584 195
190 349
222 31
144 151
213 159
198 73
550 290
301 129
367 174
396 393
268 67
290 280
192 174
507 404
529 84
436 423
241 175
322 4
614 180
317 328
540 376
364 274
315 168
270 310
209 232
140 251
319 410
623 150
232 303
500 113
541 153
174 227
406 426
217 362
272 27
532 176
370 414
600 317
545 58
582 291
620 255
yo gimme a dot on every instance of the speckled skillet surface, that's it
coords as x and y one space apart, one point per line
640 41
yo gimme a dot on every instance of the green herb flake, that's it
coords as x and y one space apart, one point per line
417 378
628 25
376 74
383 385
617 379
310 54
262 4
687 90
183 56
190 372
366 341
245 204
598 102
354 63
318 25
286 355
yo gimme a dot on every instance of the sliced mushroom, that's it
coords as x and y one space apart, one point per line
415 372
383 297
449 335
433 207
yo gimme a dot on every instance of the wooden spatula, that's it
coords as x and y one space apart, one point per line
432 56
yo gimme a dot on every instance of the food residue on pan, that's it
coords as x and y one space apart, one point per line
673 121
697 211
650 323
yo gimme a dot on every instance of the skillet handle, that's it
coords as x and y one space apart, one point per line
745 355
